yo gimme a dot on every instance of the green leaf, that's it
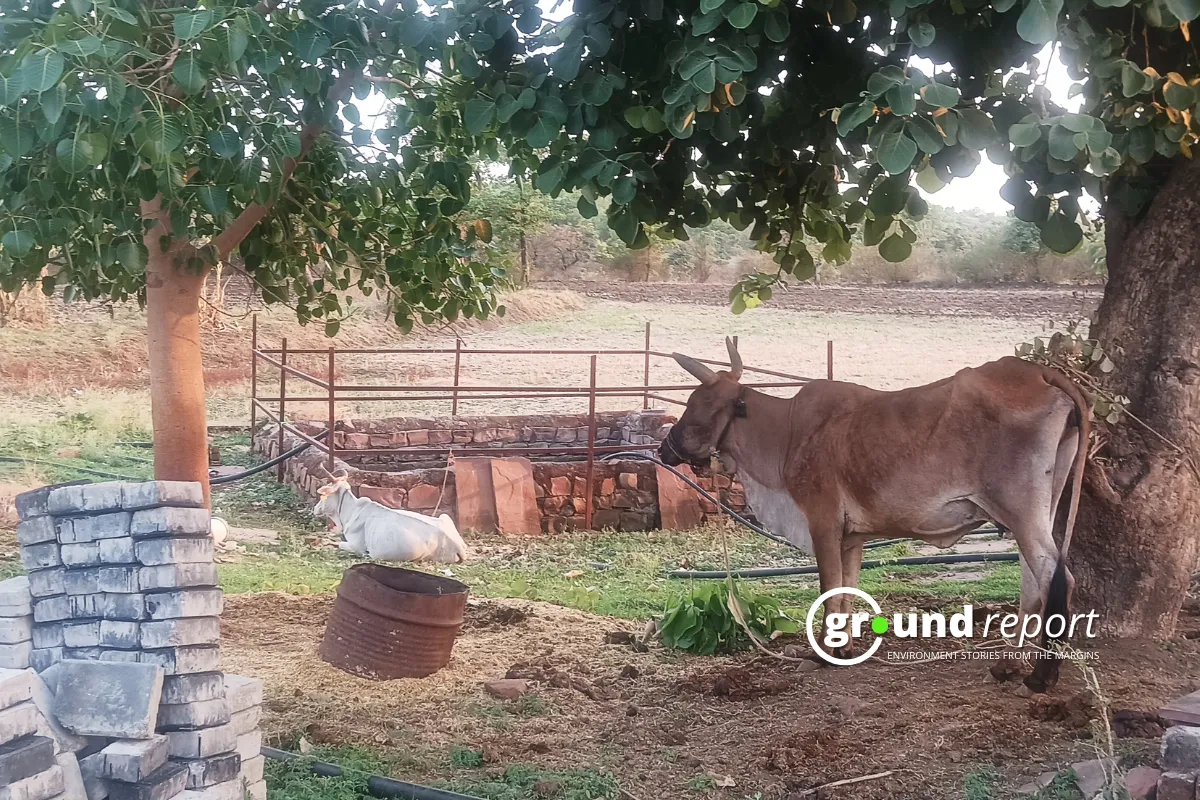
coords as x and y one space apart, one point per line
41 70
310 44
975 130
777 26
215 199
894 249
1105 162
544 130
478 115
889 197
53 102
132 256
225 143
884 80
1133 80
634 115
81 48
190 24
896 151
708 6
624 190
1062 144
164 132
234 40
11 88
854 114
188 74
1184 10
1141 144
1180 97
1061 233
286 142
652 121
625 224
939 95
17 138
902 100
1038 23
742 15
926 135
928 180
922 34
74 155
1024 134
18 242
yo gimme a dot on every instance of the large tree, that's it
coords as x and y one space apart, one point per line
813 121
141 143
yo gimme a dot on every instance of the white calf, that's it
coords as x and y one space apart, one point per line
388 534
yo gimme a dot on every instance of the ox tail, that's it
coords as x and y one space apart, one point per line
1058 597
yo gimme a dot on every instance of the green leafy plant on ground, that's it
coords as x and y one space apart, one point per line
703 622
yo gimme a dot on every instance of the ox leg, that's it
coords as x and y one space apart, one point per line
827 547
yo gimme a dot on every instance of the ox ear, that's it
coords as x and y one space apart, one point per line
698 371
327 489
735 359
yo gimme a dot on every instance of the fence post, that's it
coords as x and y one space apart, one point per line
457 362
253 375
329 443
591 457
282 403
646 372
829 359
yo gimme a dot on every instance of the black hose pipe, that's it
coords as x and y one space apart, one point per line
266 465
779 572
377 785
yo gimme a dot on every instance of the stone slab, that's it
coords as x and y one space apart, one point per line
205 772
184 660
79 499
151 494
106 698
122 579
18 721
47 582
1176 786
247 720
678 503
15 597
1181 749
51 609
92 768
202 743
80 555
516 501
243 692
184 603
43 786
42 658
133 760
254 791
16 686
34 502
25 757
115 605
180 632
41 556
81 634
170 522
174 550
117 551
166 782
120 634
82 581
44 697
15 656
80 530
36 531
16 629
194 688
190 716
249 745
73 785
177 576
252 769
84 606
1183 710
230 790
475 495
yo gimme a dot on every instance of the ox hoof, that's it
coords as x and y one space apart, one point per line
1024 691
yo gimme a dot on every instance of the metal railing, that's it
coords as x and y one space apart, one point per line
332 393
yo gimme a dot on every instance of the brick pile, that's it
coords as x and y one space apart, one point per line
122 594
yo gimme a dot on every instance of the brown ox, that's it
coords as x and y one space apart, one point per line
838 464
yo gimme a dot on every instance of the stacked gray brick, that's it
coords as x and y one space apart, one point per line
123 572
33 765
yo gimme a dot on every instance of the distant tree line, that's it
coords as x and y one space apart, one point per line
536 237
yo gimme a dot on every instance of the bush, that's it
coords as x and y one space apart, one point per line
703 622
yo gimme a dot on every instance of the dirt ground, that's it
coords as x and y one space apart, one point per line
658 720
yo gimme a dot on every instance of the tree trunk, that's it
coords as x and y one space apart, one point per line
176 371
1138 537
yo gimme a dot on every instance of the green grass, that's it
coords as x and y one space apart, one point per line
294 780
979 783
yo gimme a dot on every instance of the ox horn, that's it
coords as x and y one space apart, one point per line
735 359
698 371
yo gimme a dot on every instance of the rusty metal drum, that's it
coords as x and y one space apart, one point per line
389 622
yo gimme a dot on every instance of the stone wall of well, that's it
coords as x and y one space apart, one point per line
626 494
